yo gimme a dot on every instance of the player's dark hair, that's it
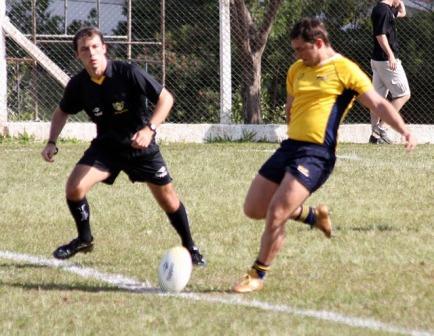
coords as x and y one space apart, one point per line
86 32
310 29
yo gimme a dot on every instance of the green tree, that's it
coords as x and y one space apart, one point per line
191 53
251 29
27 81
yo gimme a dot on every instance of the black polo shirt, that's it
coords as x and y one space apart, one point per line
117 105
383 19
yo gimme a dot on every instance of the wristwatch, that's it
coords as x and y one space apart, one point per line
153 127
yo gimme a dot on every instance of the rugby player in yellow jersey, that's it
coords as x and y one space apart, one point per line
321 87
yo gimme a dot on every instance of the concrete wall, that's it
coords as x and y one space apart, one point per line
199 133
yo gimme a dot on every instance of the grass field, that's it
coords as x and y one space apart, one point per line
376 277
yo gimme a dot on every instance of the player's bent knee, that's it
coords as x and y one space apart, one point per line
274 228
168 199
75 193
171 205
253 213
278 215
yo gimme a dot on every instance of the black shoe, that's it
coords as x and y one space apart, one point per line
378 140
373 139
380 136
74 246
196 258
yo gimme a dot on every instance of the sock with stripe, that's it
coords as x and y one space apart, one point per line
261 269
307 215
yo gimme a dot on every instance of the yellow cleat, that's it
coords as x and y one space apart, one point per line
323 221
250 282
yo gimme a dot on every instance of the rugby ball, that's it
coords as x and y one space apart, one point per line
175 269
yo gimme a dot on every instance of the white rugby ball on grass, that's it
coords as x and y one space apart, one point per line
175 269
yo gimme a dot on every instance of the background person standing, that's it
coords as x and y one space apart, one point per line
388 75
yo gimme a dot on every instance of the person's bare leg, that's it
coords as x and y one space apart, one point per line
290 195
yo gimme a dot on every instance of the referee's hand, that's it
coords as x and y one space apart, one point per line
141 139
49 151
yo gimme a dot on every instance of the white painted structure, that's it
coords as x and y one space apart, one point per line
200 133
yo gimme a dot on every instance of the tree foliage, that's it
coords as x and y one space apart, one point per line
261 52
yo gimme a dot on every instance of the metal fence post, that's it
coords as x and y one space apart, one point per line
3 72
225 62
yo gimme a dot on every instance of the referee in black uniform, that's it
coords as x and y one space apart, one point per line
113 94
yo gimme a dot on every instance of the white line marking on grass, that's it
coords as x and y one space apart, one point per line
132 285
117 280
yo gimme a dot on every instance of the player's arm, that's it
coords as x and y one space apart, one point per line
384 44
400 6
162 108
385 111
288 106
143 137
58 121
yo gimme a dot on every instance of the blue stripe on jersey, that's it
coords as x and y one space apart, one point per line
338 110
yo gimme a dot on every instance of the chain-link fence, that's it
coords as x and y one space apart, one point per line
179 43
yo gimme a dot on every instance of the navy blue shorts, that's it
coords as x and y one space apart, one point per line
309 163
140 166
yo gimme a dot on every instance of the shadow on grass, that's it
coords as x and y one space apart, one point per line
126 287
68 287
105 289
122 288
376 227
22 265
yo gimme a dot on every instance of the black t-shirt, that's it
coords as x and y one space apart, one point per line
117 105
383 19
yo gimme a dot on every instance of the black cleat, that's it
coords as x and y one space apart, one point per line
196 258
74 246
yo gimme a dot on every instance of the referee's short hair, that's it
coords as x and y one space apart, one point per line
86 32
310 29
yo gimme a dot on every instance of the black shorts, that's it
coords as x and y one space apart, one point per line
140 166
309 163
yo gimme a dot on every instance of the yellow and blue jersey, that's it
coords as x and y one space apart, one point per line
322 96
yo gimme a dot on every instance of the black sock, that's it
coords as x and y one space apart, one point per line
81 213
179 221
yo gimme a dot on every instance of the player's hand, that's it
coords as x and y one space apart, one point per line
49 151
142 138
392 62
410 141
396 3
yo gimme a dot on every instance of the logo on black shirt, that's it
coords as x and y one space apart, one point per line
119 107
97 112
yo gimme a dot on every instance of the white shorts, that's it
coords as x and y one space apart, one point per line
386 80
